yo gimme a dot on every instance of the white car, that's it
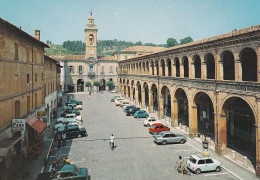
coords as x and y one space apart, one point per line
69 106
73 115
199 163
150 120
117 101
123 103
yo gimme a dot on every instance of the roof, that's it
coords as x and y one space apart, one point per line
69 57
156 124
11 28
143 49
107 58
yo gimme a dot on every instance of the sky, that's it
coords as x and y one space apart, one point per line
152 21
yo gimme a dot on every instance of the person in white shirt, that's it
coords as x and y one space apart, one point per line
112 141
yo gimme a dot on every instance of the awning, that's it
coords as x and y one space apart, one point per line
37 124
7 143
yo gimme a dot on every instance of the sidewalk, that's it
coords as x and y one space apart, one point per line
32 167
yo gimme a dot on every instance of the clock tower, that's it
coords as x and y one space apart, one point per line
91 40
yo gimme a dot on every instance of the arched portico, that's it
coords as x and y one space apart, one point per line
146 95
165 103
182 114
248 59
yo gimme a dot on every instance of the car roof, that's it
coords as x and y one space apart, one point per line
68 167
70 114
200 156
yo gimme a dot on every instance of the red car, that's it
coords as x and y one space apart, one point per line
157 128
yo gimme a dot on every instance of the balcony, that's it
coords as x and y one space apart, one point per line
91 74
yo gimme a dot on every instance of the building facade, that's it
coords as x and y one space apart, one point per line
211 87
79 69
21 89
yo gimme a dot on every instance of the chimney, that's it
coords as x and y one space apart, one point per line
37 34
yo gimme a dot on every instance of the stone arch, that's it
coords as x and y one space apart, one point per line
165 97
197 66
177 67
157 67
154 91
185 63
146 94
248 58
169 64
152 67
147 67
163 67
205 114
210 65
139 91
133 88
228 60
239 119
182 114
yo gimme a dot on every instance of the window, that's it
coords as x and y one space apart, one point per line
209 161
102 69
161 127
28 78
166 135
16 51
71 69
110 69
172 135
125 57
201 162
80 69
35 77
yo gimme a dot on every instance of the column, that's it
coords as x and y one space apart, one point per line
238 70
143 97
191 68
155 70
193 121
175 113
181 70
220 70
150 69
174 70
151 101
136 96
203 70
257 132
161 110
126 91
131 93
160 68
222 134
258 64
166 68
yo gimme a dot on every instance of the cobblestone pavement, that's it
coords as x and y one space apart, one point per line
136 156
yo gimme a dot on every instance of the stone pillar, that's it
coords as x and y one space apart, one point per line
257 132
220 70
126 92
203 70
191 68
150 101
221 147
172 110
181 70
131 93
161 110
238 70
136 96
193 121
258 64
155 70
166 69
174 70
143 98
175 113
150 69
160 68
119 89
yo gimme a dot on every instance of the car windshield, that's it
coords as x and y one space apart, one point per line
161 134
192 160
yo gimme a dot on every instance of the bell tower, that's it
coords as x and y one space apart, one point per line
91 39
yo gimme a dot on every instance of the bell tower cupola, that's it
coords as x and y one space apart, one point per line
91 38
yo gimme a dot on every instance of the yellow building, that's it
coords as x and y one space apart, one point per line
78 69
21 89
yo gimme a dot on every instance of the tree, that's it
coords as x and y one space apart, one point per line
110 84
172 42
96 83
139 43
186 40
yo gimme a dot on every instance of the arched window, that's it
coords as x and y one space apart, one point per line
210 62
249 64
228 65
186 66
177 66
197 66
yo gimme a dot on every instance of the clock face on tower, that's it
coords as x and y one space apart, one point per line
91 51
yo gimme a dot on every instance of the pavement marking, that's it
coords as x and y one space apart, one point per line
215 174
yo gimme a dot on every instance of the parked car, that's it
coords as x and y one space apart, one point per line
128 106
69 106
199 163
71 111
117 101
166 137
157 128
67 120
141 114
150 120
71 171
68 123
132 111
113 98
73 115
74 101
73 131
123 103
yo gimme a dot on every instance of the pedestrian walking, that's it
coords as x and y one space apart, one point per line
59 140
63 139
112 141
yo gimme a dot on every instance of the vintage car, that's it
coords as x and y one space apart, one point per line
141 114
157 128
166 137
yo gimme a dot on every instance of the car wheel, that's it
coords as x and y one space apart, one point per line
182 141
198 171
164 143
79 136
218 169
